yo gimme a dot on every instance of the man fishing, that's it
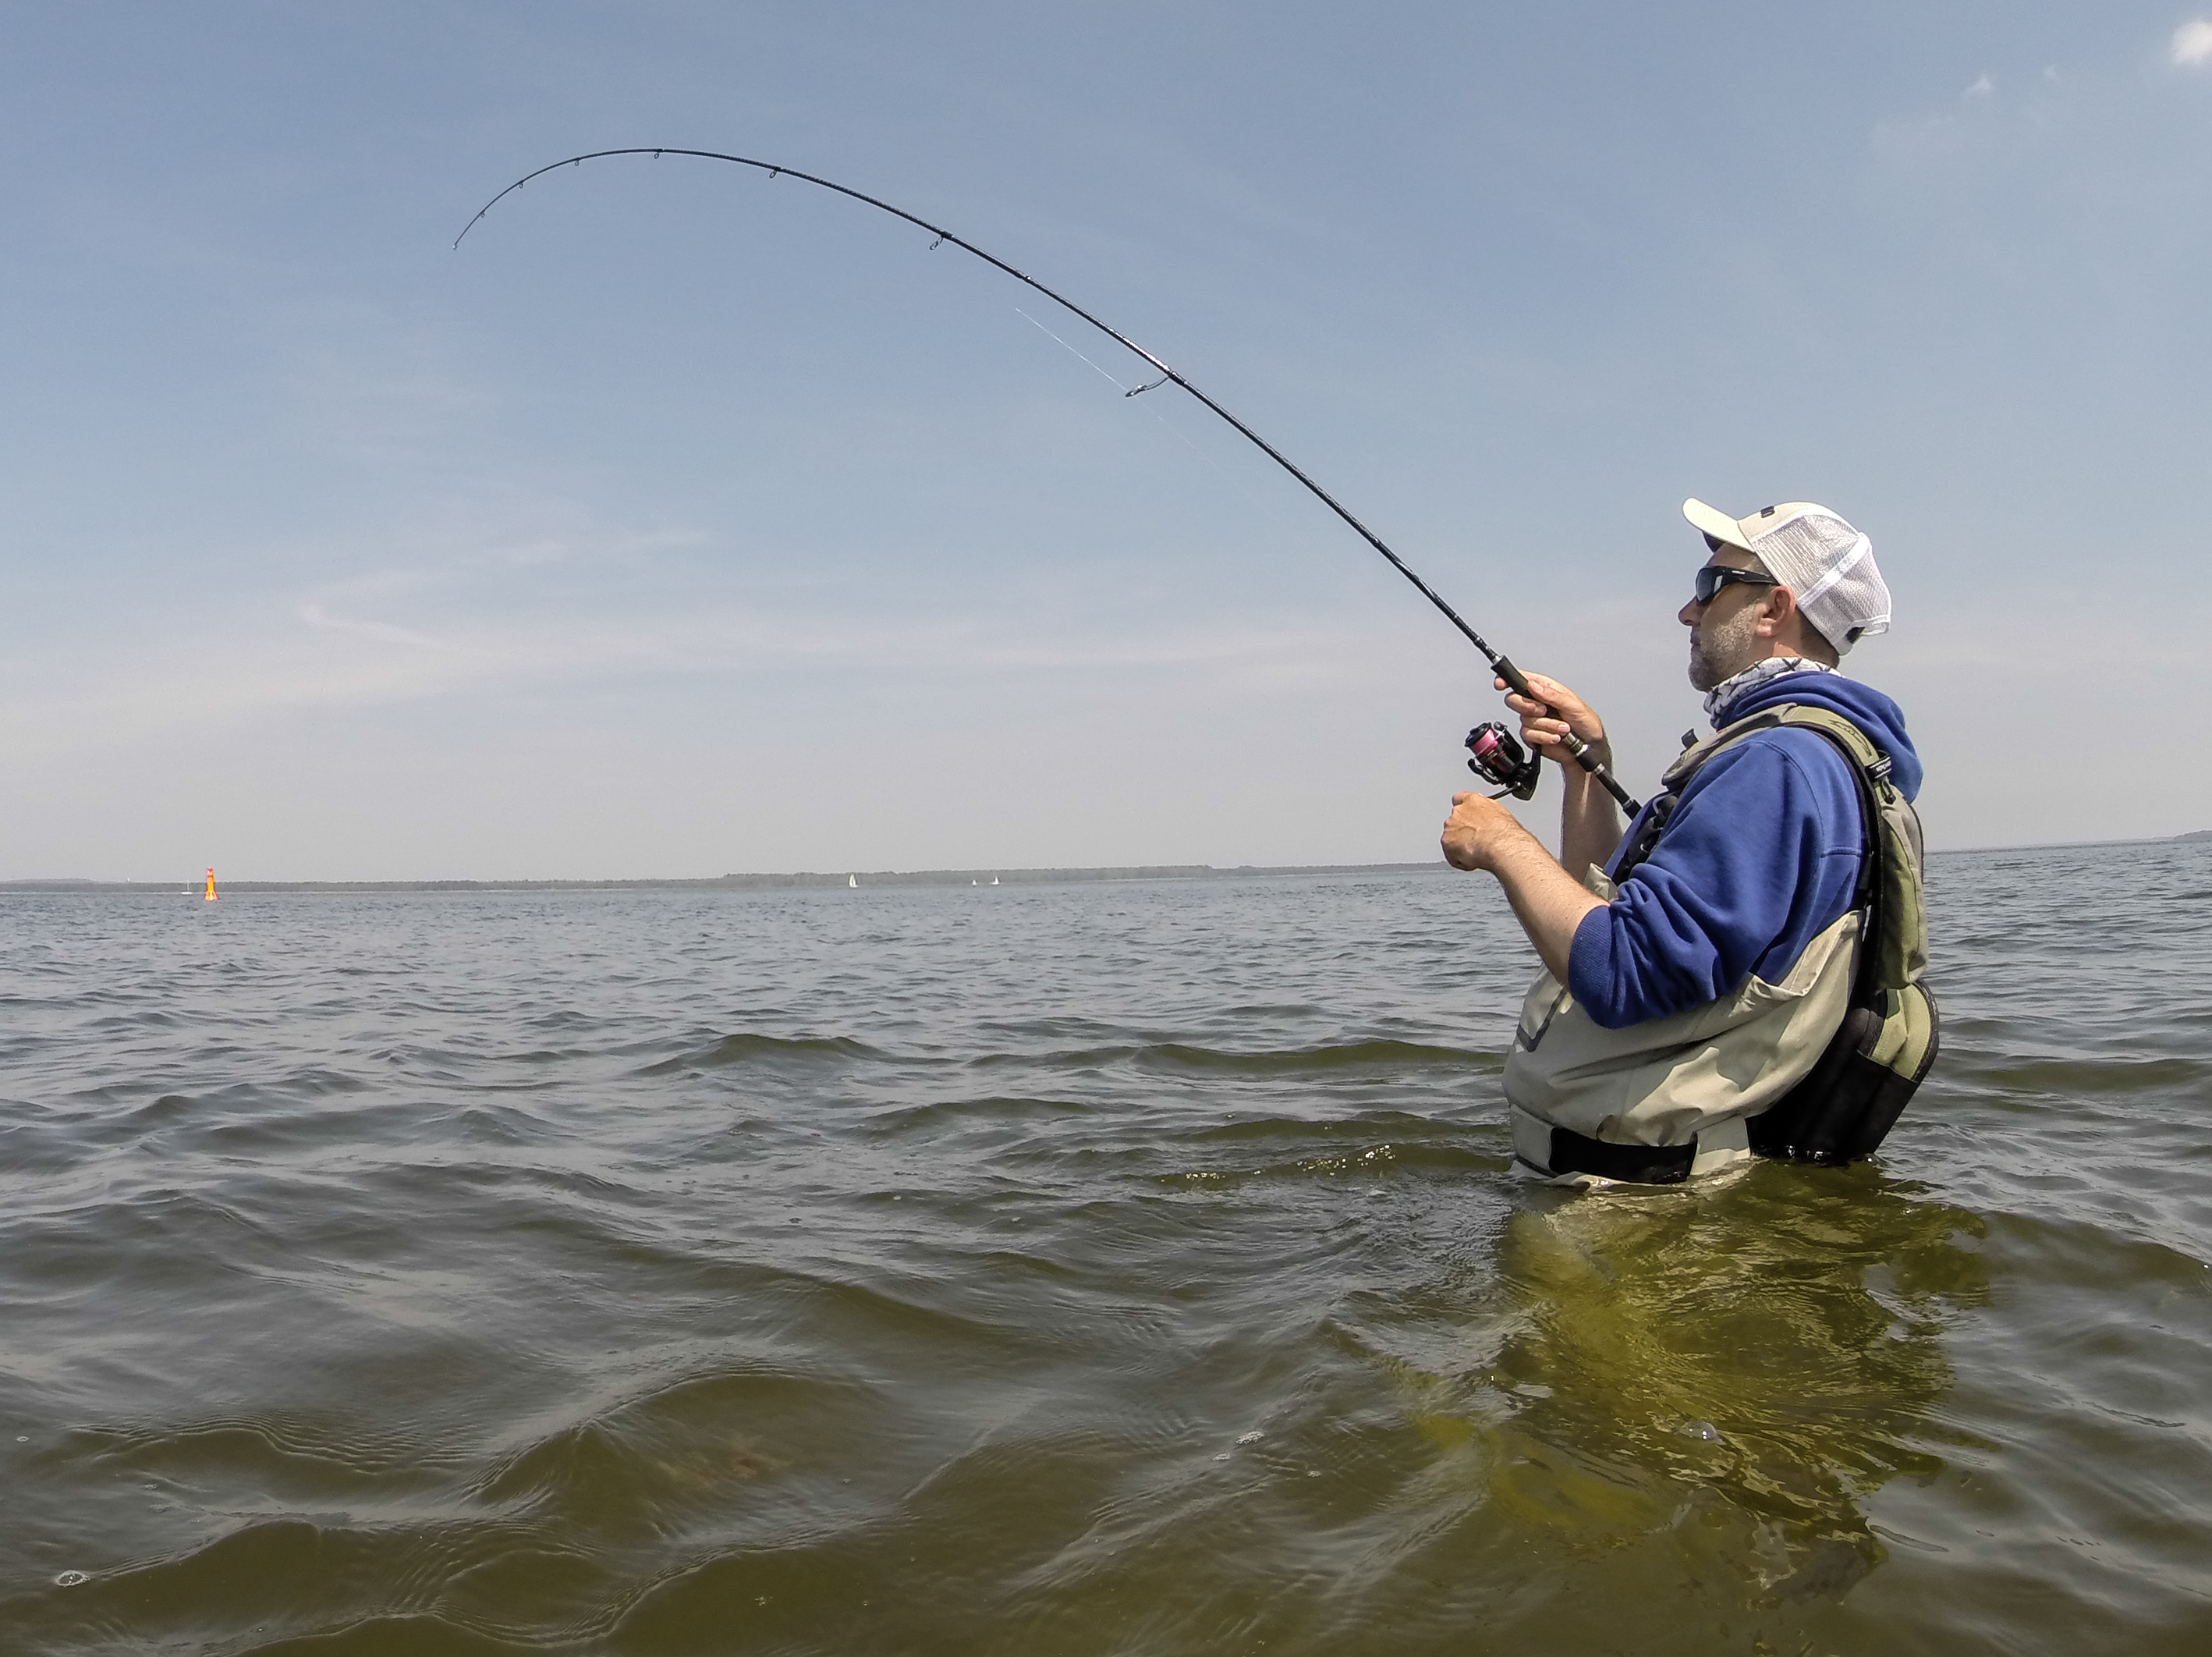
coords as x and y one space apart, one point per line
1740 972
1743 979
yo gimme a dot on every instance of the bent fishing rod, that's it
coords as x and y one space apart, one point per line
1498 756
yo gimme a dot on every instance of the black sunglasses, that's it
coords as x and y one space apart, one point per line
1714 576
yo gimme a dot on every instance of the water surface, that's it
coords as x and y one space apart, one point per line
1084 1268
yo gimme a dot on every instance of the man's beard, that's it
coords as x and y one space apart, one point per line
1719 654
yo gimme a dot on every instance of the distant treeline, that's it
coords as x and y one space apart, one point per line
745 882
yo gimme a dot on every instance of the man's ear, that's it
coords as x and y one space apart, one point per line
1777 613
1781 619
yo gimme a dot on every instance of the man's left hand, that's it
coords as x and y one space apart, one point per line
1478 826
1551 903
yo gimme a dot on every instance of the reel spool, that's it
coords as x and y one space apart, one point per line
1500 758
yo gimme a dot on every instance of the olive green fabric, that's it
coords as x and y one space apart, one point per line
1907 1027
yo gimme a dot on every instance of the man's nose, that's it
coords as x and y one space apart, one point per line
1688 614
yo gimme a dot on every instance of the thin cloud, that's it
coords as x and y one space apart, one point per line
2192 43
1983 87
332 661
315 616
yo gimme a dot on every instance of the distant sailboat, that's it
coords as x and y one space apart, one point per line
851 880
994 880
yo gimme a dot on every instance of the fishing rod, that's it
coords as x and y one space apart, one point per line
1498 756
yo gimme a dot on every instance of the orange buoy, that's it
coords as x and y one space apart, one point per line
211 891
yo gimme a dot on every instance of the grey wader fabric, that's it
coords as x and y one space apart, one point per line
1815 1066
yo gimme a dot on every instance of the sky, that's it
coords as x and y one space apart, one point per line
684 521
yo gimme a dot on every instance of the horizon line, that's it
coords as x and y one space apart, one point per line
1002 874
32 884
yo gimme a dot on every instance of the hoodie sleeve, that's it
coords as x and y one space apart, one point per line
1761 856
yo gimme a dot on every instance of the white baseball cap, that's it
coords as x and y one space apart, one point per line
1827 565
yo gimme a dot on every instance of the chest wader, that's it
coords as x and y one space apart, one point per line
1846 1105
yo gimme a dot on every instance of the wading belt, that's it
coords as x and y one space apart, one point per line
1642 1165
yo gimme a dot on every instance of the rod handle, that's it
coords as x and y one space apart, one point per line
1517 682
1587 758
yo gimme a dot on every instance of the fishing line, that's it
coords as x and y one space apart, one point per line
1264 505
1497 756
1127 391
1073 352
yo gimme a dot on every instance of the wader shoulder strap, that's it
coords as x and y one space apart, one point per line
1870 770
1890 886
1676 777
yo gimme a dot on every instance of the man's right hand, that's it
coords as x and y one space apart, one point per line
1544 721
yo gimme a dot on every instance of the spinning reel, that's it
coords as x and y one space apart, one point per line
1500 758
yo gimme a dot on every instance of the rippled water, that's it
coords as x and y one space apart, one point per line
1121 1269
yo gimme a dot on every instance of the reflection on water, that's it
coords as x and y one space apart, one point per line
1724 1376
1119 1269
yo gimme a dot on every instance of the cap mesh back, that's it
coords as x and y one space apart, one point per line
1829 567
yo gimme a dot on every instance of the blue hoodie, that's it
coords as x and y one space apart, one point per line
1759 858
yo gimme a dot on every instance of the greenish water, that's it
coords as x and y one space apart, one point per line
1106 1269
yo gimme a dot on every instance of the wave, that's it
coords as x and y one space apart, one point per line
1188 1056
747 1048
